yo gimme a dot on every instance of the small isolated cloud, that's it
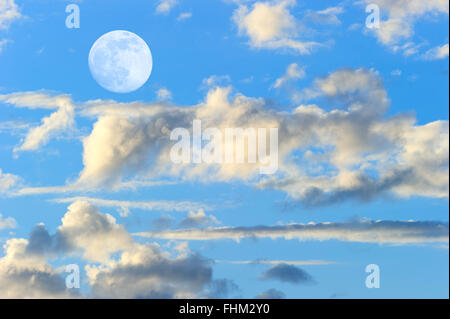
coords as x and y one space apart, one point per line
276 262
437 53
215 80
293 72
9 12
271 25
184 16
8 222
271 294
198 219
326 16
8 181
396 72
163 222
164 94
288 273
165 6
3 43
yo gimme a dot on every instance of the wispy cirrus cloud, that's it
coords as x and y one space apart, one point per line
124 206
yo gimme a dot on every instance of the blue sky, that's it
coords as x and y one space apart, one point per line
363 136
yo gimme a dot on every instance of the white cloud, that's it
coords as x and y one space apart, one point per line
436 53
165 6
364 231
271 25
144 271
401 18
8 222
326 16
9 12
293 72
164 94
59 121
26 275
215 80
161 205
184 16
194 219
353 150
8 182
121 268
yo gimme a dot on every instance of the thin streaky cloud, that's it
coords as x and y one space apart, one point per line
364 231
158 205
276 262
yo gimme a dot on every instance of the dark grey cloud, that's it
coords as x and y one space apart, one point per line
198 219
42 243
222 288
271 294
163 222
367 189
288 273
158 278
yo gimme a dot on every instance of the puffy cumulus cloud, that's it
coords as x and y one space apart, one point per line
98 235
120 268
8 222
27 275
364 231
56 123
165 6
194 219
401 17
144 271
8 182
288 273
271 25
9 12
350 150
271 294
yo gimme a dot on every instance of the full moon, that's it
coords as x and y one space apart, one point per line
120 61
